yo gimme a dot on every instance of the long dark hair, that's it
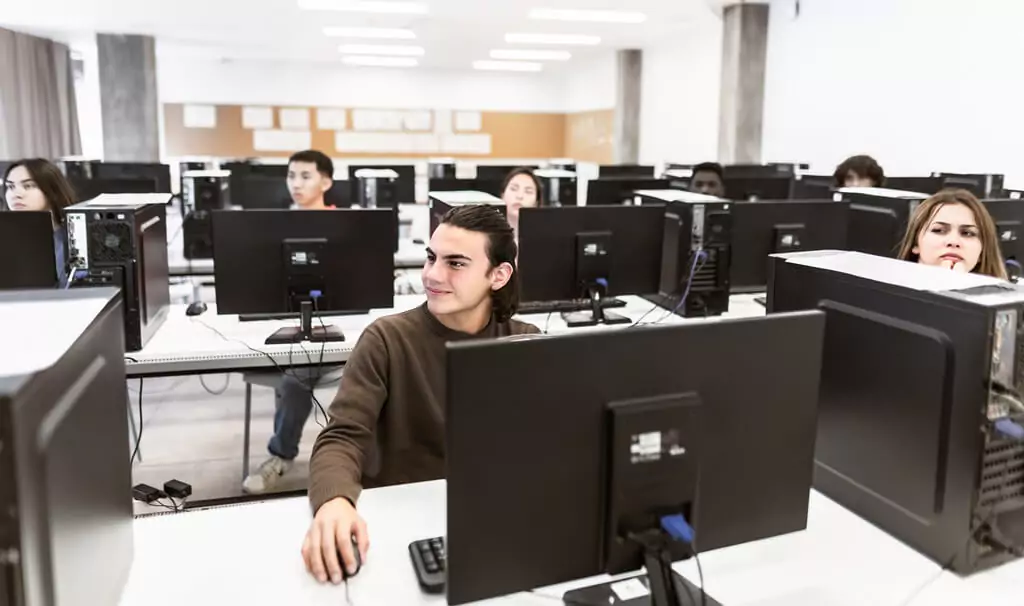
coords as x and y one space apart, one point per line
48 178
501 248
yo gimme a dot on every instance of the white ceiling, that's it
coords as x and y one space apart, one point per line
454 33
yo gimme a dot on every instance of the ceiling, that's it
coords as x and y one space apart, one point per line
453 33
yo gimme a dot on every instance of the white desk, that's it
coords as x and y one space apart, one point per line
250 555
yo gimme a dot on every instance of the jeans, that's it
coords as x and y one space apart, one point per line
293 401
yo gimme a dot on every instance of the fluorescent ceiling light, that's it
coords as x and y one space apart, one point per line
568 39
375 33
558 14
365 6
531 55
381 49
371 61
508 66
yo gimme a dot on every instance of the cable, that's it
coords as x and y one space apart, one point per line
700 255
679 529
142 425
227 383
547 323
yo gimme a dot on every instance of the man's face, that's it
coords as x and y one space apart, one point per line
457 276
707 182
307 185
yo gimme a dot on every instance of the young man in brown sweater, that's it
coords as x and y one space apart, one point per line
387 422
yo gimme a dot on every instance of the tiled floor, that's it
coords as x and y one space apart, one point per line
193 436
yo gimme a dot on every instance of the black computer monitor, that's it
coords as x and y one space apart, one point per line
760 171
712 420
26 242
762 228
580 252
405 185
496 172
616 192
255 191
813 187
252 168
274 261
489 186
758 188
65 492
878 218
979 184
149 172
87 189
625 171
925 185
1008 215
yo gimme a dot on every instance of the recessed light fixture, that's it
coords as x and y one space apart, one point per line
508 66
566 39
381 49
372 33
530 55
589 16
365 6
370 61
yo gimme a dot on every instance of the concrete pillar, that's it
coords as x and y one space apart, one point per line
744 46
629 68
128 98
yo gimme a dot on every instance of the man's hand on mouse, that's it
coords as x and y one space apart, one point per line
331 532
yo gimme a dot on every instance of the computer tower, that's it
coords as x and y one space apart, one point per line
122 241
1008 215
919 363
66 527
376 188
203 192
559 187
696 252
879 218
443 201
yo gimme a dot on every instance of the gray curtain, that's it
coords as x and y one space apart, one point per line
38 115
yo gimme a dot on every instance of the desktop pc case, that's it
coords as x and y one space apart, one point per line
203 192
918 364
693 223
66 522
122 241
879 218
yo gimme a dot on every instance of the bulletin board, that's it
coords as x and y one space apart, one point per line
269 131
590 136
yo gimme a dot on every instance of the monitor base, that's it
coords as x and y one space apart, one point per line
295 334
577 319
621 593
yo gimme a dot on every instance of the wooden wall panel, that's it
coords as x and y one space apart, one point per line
590 136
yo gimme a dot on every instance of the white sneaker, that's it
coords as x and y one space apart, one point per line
267 476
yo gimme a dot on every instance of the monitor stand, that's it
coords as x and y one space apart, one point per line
596 315
661 586
306 331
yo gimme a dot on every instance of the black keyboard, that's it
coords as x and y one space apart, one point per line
550 307
430 562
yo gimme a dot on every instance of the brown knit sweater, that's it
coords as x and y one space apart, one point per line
387 421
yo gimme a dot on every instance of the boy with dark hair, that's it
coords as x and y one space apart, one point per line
708 178
387 422
310 175
859 171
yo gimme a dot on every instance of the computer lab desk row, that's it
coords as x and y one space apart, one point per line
210 343
250 555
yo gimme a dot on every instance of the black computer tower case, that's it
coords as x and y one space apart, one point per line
702 226
918 364
121 241
66 522
879 218
204 191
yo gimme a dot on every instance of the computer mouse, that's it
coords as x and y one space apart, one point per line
195 309
345 574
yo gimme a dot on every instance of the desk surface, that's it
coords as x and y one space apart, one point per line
193 345
250 554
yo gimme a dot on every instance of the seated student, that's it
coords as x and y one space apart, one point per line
37 184
709 179
952 229
859 171
387 421
310 175
521 188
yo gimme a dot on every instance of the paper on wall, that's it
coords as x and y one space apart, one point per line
377 119
468 121
331 119
281 140
257 117
200 116
443 122
419 120
294 118
374 142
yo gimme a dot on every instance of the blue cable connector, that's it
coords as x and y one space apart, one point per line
678 528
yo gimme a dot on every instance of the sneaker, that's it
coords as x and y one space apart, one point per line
267 476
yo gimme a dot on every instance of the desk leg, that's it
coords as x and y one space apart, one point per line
245 434
134 427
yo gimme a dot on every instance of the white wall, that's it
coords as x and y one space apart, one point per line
922 85
589 84
679 99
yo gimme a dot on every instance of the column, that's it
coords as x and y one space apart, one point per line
128 98
744 46
629 67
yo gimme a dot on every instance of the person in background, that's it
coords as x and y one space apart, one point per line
859 171
709 179
310 175
387 423
952 229
521 188
37 184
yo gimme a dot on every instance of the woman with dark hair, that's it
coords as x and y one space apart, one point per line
521 189
37 184
859 171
